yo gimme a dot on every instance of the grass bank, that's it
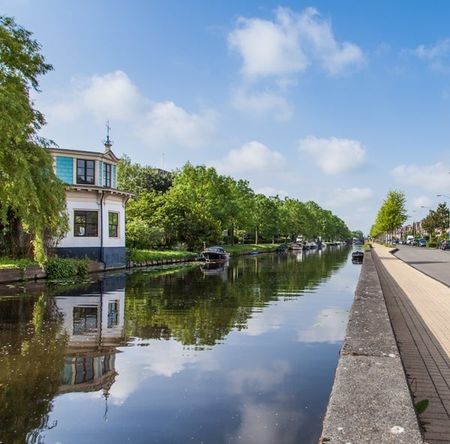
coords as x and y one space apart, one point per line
249 248
7 262
140 256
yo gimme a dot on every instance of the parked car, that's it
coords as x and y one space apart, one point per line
445 245
422 243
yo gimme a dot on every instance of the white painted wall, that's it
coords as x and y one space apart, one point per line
90 201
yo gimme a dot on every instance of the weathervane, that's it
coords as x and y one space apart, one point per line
108 141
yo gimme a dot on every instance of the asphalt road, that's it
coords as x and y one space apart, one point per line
433 262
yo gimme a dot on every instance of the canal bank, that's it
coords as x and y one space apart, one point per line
419 307
370 400
34 272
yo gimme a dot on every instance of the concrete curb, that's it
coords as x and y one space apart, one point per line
370 401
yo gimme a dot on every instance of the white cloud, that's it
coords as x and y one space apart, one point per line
271 191
166 123
268 48
334 155
114 96
333 56
345 196
262 102
252 157
422 201
434 178
436 55
289 43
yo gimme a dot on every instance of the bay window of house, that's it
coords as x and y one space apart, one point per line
107 175
85 223
113 222
85 171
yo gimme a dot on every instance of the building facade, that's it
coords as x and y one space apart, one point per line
95 207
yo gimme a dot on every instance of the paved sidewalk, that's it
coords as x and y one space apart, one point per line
419 308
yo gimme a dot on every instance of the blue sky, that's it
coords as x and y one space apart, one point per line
332 101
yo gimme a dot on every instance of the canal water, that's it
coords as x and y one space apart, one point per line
244 353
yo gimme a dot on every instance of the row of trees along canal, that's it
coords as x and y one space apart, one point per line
195 205
393 214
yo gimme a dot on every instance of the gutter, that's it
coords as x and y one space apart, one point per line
102 194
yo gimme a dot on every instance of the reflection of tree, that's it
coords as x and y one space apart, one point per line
201 311
30 371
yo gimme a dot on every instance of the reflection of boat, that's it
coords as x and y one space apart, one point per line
357 257
215 254
213 268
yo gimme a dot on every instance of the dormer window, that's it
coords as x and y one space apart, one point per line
85 171
107 175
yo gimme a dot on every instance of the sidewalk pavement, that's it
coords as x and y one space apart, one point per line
430 297
419 310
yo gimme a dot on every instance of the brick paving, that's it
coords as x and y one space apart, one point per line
423 342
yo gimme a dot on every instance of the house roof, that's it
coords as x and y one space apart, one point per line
108 154
79 187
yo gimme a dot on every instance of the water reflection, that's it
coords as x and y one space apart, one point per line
155 353
94 327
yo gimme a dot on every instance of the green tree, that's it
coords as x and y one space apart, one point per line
138 179
32 198
391 215
437 219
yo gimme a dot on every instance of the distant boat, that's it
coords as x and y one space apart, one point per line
214 254
296 246
357 257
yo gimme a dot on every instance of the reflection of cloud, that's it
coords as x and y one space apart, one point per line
263 321
268 423
161 358
258 379
329 327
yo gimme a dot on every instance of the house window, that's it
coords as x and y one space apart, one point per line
113 221
86 171
113 314
85 320
86 223
107 175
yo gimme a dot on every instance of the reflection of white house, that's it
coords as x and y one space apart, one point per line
93 320
94 325
96 208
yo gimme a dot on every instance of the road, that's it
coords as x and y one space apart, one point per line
433 262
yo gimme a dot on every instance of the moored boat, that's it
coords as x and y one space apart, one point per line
215 254
357 257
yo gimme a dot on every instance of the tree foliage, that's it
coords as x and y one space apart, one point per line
203 207
391 215
31 196
437 219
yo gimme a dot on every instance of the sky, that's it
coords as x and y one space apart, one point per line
336 102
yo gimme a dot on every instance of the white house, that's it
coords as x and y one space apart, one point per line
96 208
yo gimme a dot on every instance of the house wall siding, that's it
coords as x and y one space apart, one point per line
64 169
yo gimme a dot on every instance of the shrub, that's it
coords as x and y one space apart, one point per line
58 268
432 244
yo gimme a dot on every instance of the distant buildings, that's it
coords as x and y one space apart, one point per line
95 207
